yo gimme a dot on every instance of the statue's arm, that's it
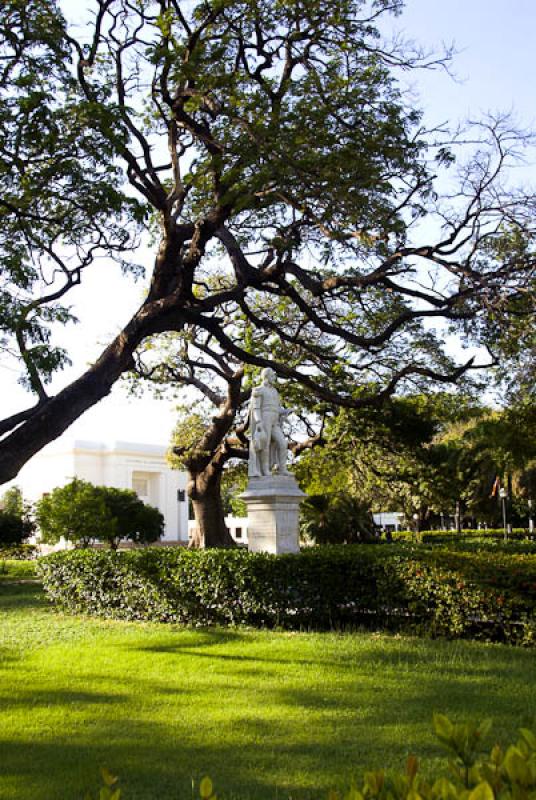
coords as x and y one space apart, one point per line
256 407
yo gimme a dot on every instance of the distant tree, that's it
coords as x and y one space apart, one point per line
430 456
12 501
76 512
83 513
336 518
14 529
16 523
131 518
495 448
386 458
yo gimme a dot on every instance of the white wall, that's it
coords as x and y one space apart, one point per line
116 464
237 526
389 519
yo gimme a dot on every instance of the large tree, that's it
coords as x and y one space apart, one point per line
269 139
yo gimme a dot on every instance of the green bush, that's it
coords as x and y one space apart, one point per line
517 534
434 591
16 569
16 524
18 552
14 529
82 513
336 518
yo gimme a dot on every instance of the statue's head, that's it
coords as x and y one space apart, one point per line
268 375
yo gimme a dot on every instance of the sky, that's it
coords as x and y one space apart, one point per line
494 71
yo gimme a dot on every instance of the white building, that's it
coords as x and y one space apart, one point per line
125 465
237 527
389 520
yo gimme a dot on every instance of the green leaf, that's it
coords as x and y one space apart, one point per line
107 777
444 789
485 727
482 792
529 737
516 767
443 727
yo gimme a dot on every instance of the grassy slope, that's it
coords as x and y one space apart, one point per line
254 710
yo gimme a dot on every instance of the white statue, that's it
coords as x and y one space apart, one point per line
268 446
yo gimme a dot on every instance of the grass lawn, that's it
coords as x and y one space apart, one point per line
160 705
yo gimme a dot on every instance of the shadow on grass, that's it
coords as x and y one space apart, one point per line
48 698
246 756
19 595
389 652
313 738
158 761
193 638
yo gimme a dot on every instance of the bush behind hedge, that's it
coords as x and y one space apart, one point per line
18 552
426 590
483 534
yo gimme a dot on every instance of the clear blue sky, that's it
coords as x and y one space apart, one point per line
496 72
495 63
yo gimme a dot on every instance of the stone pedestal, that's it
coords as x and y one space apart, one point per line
273 505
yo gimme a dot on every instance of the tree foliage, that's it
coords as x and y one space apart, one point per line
16 524
82 513
429 455
336 518
269 151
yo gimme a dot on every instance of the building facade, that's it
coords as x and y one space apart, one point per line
124 465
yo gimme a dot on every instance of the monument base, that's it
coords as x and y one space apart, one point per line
273 514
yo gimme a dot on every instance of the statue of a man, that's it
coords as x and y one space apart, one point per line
268 446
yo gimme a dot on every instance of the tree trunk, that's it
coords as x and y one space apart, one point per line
59 412
458 517
49 419
205 493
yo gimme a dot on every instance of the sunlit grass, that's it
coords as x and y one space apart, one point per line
255 710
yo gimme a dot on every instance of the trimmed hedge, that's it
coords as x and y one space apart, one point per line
432 591
17 570
18 552
429 537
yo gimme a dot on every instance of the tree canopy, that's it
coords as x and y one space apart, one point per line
83 513
428 455
16 524
268 150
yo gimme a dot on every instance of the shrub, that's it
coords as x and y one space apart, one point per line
426 590
517 534
74 511
16 570
13 529
336 518
18 552
82 513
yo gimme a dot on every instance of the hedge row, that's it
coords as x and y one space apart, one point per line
18 552
472 533
415 588
482 534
